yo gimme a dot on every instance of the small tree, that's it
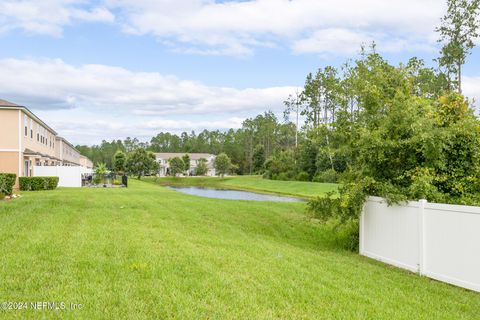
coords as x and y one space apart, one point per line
140 162
458 32
119 162
186 162
222 164
202 168
100 172
259 159
176 166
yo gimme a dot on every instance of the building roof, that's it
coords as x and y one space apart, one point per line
4 104
193 156
66 141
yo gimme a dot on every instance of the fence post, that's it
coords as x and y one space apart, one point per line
361 245
421 238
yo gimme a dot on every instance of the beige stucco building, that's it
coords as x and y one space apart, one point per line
27 142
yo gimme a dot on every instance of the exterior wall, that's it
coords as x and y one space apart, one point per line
9 129
64 151
85 162
38 138
21 130
439 241
9 162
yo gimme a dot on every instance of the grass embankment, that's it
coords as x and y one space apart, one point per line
147 252
306 190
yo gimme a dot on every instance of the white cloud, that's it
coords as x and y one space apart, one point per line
238 27
47 17
130 103
471 88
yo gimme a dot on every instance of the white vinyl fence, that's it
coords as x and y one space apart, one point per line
439 241
68 176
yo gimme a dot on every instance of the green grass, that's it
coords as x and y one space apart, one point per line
253 183
147 252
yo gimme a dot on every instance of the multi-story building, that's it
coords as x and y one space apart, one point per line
85 162
162 159
27 142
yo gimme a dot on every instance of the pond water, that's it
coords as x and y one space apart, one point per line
233 194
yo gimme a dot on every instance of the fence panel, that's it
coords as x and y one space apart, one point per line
452 244
68 176
391 233
437 240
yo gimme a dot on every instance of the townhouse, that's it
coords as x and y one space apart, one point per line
162 159
26 142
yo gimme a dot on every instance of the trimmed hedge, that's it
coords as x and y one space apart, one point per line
7 181
38 183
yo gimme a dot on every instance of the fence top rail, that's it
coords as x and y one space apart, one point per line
411 204
433 206
453 208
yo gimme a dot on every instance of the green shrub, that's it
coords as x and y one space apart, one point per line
327 176
303 176
97 179
7 181
38 183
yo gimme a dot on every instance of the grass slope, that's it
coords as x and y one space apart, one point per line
151 253
253 183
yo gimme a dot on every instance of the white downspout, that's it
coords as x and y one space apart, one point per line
20 143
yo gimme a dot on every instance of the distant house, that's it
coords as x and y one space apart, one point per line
162 159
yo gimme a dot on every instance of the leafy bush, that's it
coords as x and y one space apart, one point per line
7 181
303 176
328 176
38 183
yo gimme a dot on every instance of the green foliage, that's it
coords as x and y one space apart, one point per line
176 166
38 183
202 168
7 181
303 176
328 176
101 172
222 164
259 159
281 166
186 162
140 162
119 162
458 32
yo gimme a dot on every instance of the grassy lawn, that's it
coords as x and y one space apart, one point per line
253 183
147 252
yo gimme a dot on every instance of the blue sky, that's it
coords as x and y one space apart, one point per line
110 69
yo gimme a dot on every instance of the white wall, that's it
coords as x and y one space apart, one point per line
439 241
68 176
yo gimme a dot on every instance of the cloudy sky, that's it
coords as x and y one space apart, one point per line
109 69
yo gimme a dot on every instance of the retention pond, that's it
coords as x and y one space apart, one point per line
233 194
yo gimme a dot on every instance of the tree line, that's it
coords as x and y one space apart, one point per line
248 147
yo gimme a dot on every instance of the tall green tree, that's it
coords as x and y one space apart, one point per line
176 166
259 158
119 162
140 162
458 31
222 164
202 168
186 162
